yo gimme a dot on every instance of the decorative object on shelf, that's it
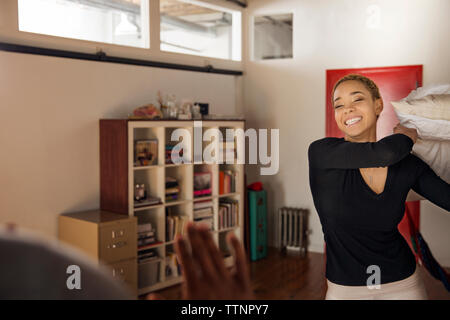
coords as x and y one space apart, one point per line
145 152
202 184
168 105
139 192
204 108
148 111
163 105
141 199
196 114
172 107
184 112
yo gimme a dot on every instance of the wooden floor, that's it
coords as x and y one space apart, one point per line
286 277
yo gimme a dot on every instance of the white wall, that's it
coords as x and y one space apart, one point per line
49 139
290 94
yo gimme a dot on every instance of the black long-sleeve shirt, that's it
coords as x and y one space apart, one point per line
359 225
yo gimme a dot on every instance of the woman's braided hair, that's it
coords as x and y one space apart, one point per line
368 83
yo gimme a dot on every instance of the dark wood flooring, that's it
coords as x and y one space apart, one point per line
285 276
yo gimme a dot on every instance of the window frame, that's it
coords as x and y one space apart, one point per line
251 34
9 33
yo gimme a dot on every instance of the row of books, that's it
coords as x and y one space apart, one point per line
146 239
147 255
172 189
175 224
227 150
146 234
227 181
172 158
228 213
203 213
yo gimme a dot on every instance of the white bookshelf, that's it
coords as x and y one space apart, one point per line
153 176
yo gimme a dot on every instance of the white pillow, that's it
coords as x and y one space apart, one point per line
433 106
427 129
421 92
427 109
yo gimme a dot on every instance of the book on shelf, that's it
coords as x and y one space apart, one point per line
204 212
202 193
172 157
175 225
144 227
172 191
146 241
145 152
171 197
171 182
147 255
146 235
205 220
227 150
228 213
227 181
203 204
147 246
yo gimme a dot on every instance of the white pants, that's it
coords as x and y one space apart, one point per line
411 288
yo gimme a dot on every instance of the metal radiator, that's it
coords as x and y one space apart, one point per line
292 229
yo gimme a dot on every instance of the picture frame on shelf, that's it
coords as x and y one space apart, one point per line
145 152
202 184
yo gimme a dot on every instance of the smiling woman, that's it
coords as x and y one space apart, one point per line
359 187
356 101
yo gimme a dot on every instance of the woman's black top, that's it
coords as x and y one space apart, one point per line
359 225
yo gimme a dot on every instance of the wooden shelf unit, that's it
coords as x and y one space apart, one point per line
118 176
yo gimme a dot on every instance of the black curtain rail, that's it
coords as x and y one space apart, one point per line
102 57
239 3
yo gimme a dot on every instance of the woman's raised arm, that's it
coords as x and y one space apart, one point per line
340 154
430 186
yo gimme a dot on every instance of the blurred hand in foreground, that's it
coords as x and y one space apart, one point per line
205 274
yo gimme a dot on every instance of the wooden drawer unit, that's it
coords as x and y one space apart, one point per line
109 238
125 271
118 242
